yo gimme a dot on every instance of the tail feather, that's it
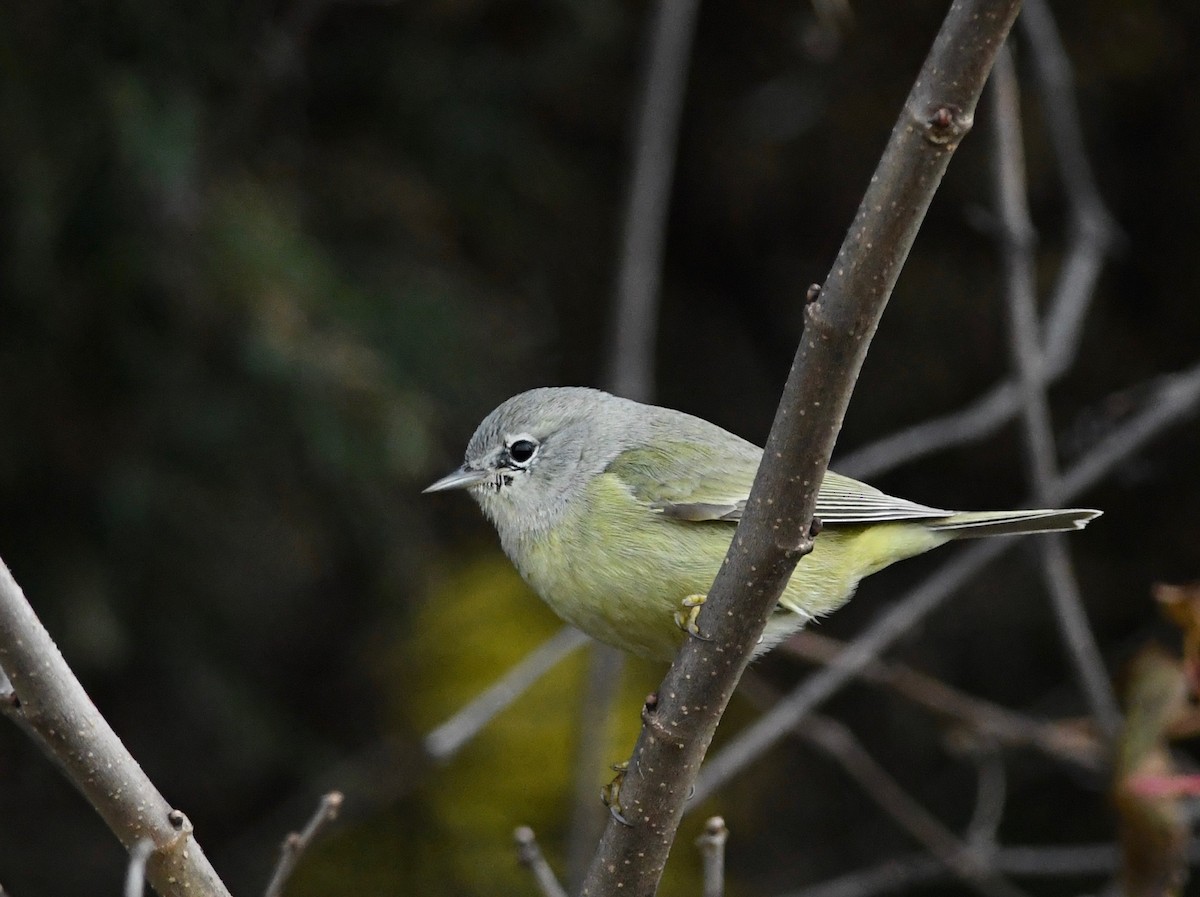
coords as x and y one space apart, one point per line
973 524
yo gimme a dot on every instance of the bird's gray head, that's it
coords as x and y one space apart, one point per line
537 451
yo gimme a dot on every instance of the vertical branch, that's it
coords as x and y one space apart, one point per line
712 855
631 362
631 358
51 705
776 529
603 677
1017 238
1095 232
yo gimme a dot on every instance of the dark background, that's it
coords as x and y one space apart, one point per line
264 266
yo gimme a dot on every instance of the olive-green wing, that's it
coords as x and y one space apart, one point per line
692 481
689 480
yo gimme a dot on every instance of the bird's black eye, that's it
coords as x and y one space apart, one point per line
522 450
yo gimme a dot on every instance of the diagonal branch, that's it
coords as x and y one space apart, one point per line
1177 399
988 720
51 706
837 742
775 531
449 737
903 874
296 843
1017 240
1093 235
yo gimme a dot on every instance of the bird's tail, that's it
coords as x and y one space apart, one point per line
973 524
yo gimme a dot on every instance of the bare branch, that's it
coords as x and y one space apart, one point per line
978 420
296 843
135 872
990 795
1055 84
1017 239
838 743
1176 400
631 362
56 711
712 855
529 854
1094 231
449 737
1065 860
751 742
776 531
595 708
1093 234
1062 740
907 872
631 352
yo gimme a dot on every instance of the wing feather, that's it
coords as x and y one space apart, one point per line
690 481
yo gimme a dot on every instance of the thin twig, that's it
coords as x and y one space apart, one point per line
135 872
768 729
529 855
919 869
712 855
631 352
1034 861
1093 235
595 709
839 744
57 713
1176 400
991 792
449 737
1017 239
973 423
631 361
296 843
1063 740
385 770
1094 231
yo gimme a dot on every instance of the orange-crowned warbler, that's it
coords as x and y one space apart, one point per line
619 514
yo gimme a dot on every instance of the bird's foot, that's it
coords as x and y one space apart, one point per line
687 615
610 794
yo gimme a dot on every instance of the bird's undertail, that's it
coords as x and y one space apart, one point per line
973 524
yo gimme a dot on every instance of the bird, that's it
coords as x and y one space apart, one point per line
618 514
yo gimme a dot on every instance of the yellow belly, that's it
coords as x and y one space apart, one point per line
622 582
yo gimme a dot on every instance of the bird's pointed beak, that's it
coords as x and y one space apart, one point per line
463 478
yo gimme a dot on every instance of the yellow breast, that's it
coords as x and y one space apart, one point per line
618 570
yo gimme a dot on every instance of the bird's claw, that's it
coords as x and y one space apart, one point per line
610 794
686 617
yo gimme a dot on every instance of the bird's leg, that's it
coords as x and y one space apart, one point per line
610 794
686 617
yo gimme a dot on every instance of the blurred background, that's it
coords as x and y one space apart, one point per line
263 267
